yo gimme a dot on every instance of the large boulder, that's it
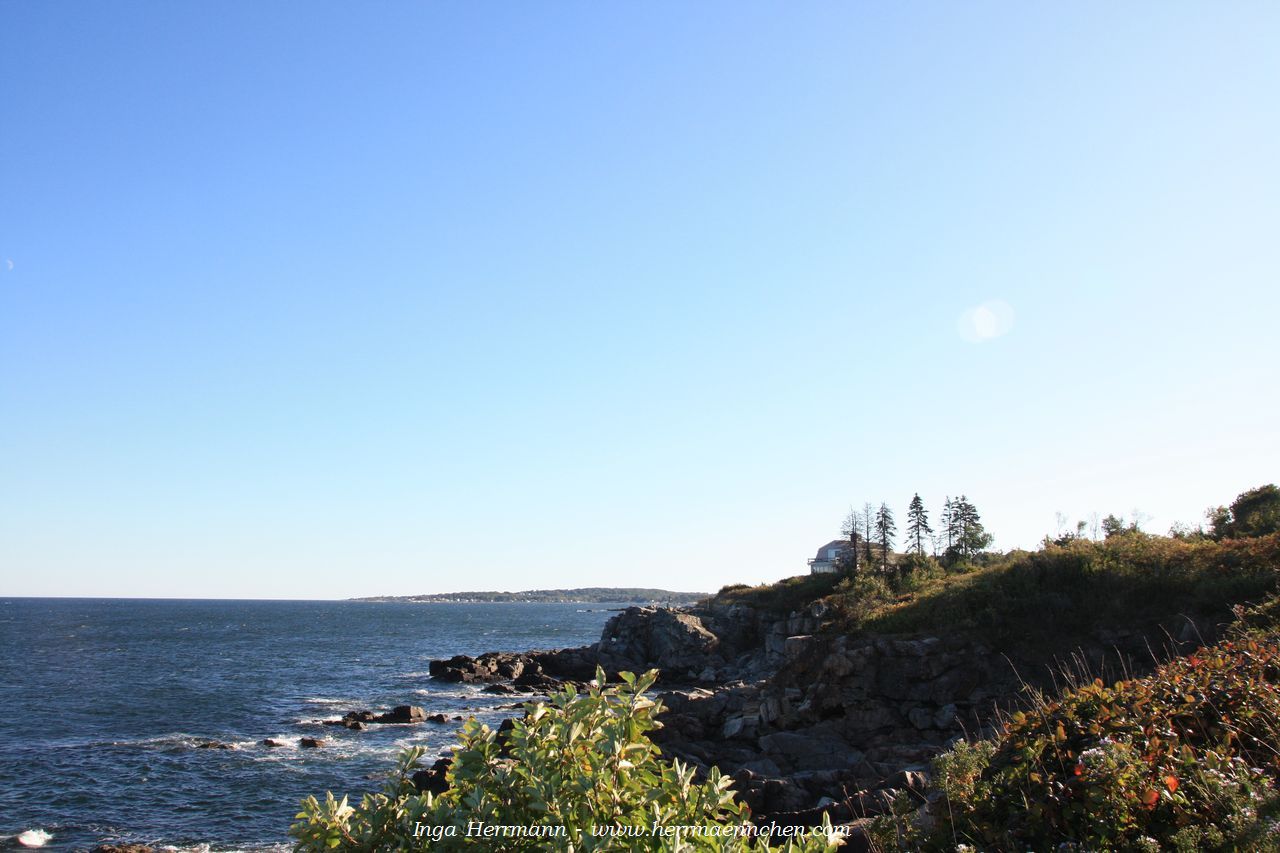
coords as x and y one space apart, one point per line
435 780
672 641
402 714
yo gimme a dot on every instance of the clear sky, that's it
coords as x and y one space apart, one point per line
317 300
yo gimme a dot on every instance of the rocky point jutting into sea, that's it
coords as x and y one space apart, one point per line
806 719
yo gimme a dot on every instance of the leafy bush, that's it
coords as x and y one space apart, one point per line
581 763
1185 759
1253 513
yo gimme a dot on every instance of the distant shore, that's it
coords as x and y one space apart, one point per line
584 595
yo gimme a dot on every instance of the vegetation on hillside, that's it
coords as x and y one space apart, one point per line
782 597
1062 591
1186 759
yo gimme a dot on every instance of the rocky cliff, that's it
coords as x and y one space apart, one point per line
808 719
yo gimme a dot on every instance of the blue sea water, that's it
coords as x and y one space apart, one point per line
105 701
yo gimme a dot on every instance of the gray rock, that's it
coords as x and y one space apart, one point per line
402 714
921 718
733 727
795 646
809 750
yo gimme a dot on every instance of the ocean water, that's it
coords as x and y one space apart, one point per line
105 701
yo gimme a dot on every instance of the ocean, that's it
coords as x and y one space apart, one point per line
106 700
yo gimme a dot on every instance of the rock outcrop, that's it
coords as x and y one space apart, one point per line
672 641
530 671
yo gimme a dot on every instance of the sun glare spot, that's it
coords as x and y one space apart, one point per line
986 321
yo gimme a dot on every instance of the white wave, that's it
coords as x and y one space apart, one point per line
168 740
34 838
327 700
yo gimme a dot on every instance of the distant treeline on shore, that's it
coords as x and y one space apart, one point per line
586 595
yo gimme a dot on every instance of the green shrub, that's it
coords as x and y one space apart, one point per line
581 763
915 571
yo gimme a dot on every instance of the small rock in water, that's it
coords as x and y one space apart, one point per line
214 744
271 742
310 743
34 838
123 848
500 689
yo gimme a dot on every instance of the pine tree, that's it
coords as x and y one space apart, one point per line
885 528
917 525
971 536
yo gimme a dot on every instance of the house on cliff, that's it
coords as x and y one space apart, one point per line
827 560
828 556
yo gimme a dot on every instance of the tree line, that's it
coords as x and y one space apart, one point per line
959 537
1255 512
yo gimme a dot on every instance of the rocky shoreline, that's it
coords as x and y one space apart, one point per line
808 721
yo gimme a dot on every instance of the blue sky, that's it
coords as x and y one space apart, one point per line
329 299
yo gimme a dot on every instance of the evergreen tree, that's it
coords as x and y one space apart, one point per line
971 537
1112 524
917 525
885 528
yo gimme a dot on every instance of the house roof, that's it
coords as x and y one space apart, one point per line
834 543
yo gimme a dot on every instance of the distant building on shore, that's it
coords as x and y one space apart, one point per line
828 556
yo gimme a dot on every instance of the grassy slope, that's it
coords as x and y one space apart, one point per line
1046 597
